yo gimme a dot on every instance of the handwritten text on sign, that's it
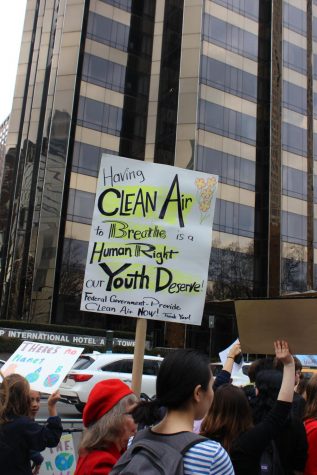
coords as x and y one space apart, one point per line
61 459
43 365
150 241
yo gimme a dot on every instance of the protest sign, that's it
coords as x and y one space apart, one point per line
260 322
59 460
43 365
150 241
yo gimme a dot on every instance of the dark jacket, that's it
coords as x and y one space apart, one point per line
248 447
21 435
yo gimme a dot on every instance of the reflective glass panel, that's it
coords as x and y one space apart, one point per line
227 122
227 78
230 37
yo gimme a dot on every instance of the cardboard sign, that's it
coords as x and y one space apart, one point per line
260 322
150 241
43 365
60 460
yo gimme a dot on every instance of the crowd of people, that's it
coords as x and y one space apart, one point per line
197 424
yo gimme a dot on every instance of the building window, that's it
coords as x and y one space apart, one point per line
227 122
314 28
294 139
294 18
294 97
75 253
232 272
294 275
103 72
123 4
315 66
294 228
248 8
315 146
294 57
107 31
230 37
234 218
315 191
80 206
232 170
227 78
86 158
99 116
315 104
294 183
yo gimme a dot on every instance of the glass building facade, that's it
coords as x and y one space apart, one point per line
224 86
4 127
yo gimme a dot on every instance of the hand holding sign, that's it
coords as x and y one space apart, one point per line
51 403
227 357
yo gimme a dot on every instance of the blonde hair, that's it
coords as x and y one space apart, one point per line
14 397
109 428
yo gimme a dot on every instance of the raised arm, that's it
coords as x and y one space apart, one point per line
51 403
283 354
224 376
234 351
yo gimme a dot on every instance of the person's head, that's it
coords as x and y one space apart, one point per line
311 398
228 416
184 381
259 365
185 377
268 384
35 401
298 367
107 416
14 397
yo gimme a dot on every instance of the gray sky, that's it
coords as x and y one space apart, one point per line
11 26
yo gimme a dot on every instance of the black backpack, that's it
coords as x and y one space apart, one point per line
154 454
270 461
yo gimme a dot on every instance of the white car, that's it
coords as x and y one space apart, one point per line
91 368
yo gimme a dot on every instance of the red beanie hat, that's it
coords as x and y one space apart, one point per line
103 397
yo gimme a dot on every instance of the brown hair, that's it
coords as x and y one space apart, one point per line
14 397
311 398
228 416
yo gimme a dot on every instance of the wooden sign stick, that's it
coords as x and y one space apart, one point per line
137 370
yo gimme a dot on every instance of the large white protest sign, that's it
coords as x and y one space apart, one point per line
61 459
150 241
43 365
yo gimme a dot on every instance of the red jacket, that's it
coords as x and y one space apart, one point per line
311 432
97 462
